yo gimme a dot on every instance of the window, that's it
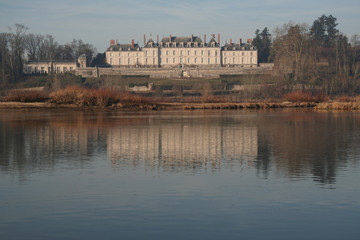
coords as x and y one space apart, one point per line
64 69
195 60
188 60
154 53
251 60
42 70
146 53
174 52
242 60
153 60
233 53
110 54
189 52
208 53
251 53
119 61
49 69
167 53
173 60
242 54
119 54
209 61
181 53
202 52
216 53
57 69
146 61
202 60
224 60
71 69
167 60
137 61
233 60
128 61
195 52
216 60
224 53
36 69
110 61
29 69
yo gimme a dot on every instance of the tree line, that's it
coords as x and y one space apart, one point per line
17 46
316 57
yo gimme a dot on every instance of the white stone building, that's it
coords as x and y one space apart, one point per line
57 66
182 51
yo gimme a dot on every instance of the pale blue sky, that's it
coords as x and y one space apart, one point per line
97 22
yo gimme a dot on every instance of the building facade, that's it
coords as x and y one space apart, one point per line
175 51
55 66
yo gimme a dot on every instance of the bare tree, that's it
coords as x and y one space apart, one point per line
291 46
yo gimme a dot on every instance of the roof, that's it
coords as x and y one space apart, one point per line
49 61
213 43
150 43
237 47
176 41
124 47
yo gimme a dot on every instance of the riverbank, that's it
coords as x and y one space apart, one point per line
346 106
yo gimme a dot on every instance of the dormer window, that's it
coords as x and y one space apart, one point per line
189 44
182 44
234 48
128 49
196 44
111 49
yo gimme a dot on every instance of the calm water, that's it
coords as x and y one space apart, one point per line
179 175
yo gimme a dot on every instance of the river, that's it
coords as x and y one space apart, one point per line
272 174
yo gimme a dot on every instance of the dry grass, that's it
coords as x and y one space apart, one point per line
305 96
343 98
95 97
26 96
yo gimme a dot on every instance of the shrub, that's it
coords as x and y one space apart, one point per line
26 96
305 96
95 97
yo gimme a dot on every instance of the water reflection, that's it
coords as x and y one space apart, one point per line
287 143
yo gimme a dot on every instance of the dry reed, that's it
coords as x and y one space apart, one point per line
26 96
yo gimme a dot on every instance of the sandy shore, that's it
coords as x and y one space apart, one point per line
189 106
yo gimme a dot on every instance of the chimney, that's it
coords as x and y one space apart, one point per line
192 37
170 39
249 40
204 40
240 42
112 42
132 43
157 38
218 38
213 35
230 41
144 39
117 41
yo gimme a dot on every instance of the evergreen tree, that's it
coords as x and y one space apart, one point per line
262 42
324 31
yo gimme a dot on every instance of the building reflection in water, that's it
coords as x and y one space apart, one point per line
180 145
290 144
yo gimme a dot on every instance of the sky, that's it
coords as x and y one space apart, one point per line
99 21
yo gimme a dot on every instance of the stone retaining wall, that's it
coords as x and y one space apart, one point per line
178 72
